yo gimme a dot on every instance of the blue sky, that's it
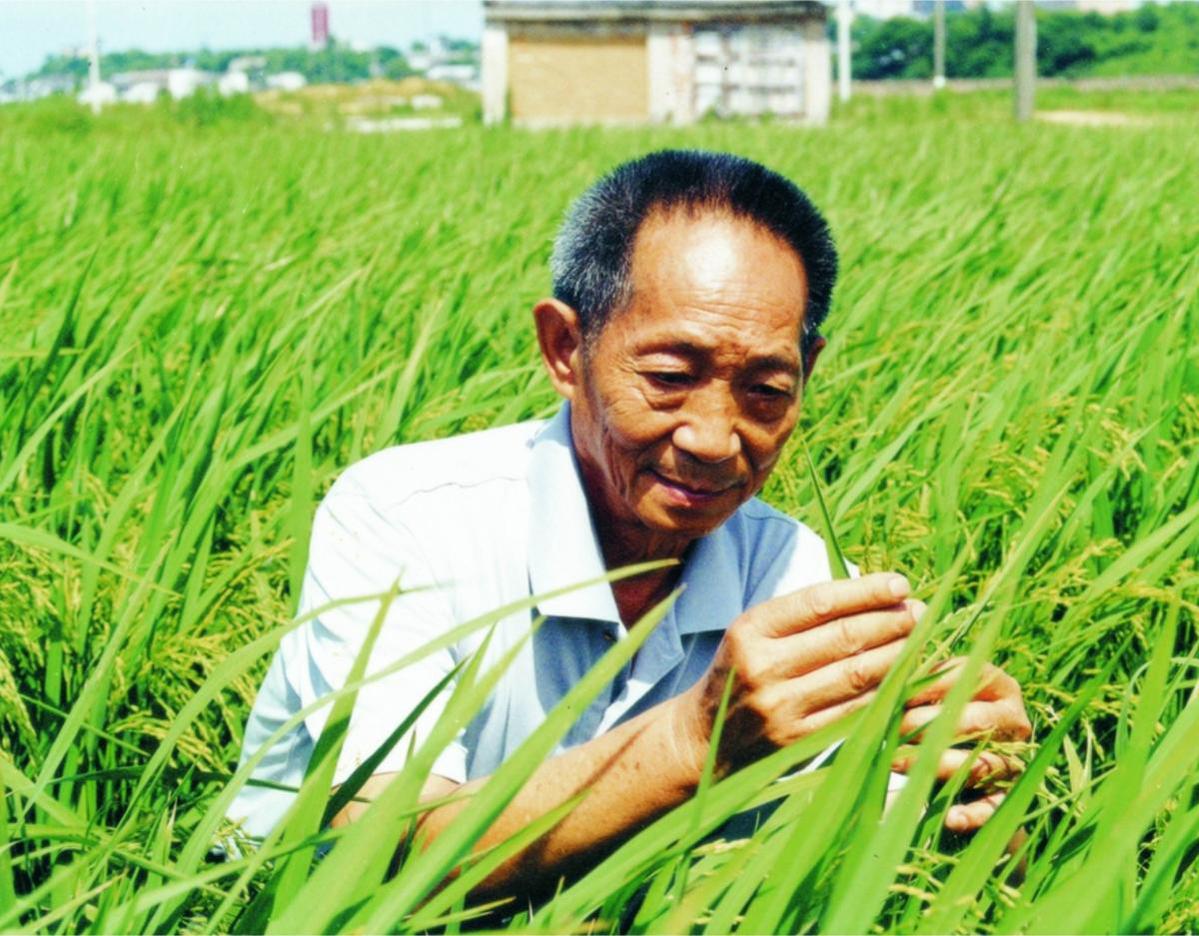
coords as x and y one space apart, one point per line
32 29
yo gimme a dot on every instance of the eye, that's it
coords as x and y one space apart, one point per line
771 391
673 379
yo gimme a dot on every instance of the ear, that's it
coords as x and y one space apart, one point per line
813 352
560 336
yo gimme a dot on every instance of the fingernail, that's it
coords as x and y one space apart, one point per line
918 608
899 586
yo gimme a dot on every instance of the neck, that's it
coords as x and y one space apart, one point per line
626 542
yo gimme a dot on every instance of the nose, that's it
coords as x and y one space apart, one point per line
708 431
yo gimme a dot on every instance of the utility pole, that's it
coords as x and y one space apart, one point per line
938 44
1026 58
93 71
844 19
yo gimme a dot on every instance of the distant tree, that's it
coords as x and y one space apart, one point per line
1156 38
1147 19
452 44
136 60
62 65
980 46
393 63
1063 48
895 48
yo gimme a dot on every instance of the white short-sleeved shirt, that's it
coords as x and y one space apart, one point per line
475 522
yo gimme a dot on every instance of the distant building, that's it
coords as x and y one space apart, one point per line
142 92
883 9
246 63
320 25
147 85
286 81
100 94
459 73
184 82
553 62
920 9
1106 7
233 82
142 86
36 88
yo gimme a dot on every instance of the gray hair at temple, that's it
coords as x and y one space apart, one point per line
593 252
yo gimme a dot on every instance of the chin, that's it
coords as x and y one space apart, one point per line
690 523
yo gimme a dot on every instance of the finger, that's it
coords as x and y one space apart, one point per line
845 637
992 684
947 676
996 720
827 601
986 767
969 817
814 721
844 680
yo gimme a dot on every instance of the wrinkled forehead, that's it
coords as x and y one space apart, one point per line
702 256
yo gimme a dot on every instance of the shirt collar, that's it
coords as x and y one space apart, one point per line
564 549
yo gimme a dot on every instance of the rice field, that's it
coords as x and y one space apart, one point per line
204 318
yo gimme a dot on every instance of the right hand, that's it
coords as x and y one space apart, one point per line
801 662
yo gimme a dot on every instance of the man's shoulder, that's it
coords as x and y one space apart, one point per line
761 524
779 553
439 468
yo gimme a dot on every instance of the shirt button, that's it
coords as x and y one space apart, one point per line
610 636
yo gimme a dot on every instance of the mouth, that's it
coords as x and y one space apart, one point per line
691 494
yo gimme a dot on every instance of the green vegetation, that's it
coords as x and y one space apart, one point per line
203 322
334 105
1156 39
335 62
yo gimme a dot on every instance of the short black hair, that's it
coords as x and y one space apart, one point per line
593 251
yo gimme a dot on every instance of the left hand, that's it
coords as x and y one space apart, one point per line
994 713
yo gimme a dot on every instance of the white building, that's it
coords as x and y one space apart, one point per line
553 62
142 92
233 82
184 82
286 81
463 74
100 94
247 63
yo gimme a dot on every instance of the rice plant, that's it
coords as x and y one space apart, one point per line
201 325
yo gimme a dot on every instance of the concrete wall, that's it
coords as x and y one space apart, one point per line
564 79
818 73
495 72
547 73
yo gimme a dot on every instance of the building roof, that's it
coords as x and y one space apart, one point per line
645 10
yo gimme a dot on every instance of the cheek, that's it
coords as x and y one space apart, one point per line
766 445
632 436
629 420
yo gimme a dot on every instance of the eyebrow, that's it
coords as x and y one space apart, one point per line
689 349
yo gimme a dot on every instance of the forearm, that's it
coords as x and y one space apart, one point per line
630 776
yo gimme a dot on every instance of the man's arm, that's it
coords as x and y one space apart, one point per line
801 662
631 775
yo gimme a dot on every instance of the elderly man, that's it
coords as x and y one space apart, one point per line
689 288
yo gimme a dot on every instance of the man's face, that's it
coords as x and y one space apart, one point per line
688 395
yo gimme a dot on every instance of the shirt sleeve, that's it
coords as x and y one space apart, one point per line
796 557
357 550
